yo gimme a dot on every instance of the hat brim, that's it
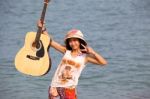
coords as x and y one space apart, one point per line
82 41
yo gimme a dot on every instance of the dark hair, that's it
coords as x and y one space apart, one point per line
81 42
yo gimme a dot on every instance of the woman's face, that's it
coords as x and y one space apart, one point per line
74 43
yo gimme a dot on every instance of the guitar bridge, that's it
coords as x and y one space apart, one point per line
32 57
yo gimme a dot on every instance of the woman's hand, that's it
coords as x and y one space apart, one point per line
87 49
93 57
39 23
53 91
42 25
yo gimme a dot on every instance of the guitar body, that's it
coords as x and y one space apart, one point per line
31 60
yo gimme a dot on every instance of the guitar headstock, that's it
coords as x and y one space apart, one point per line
47 1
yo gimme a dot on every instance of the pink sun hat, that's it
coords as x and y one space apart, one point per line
75 33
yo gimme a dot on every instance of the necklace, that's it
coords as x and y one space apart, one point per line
75 55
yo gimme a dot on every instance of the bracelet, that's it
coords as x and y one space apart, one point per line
44 30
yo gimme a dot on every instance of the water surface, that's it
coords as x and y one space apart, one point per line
118 29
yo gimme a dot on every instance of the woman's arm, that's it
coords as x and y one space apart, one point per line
94 57
53 43
56 45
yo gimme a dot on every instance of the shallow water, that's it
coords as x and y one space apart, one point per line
118 29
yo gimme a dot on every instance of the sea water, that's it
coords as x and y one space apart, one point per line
117 29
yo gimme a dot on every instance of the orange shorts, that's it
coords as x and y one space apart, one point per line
64 93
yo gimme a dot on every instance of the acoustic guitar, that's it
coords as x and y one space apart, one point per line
33 58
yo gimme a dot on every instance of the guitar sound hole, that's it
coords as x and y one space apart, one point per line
36 45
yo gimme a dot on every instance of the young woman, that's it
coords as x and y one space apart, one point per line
76 55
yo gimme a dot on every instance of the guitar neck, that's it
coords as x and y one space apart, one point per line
39 31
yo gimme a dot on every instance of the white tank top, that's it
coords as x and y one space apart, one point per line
69 70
